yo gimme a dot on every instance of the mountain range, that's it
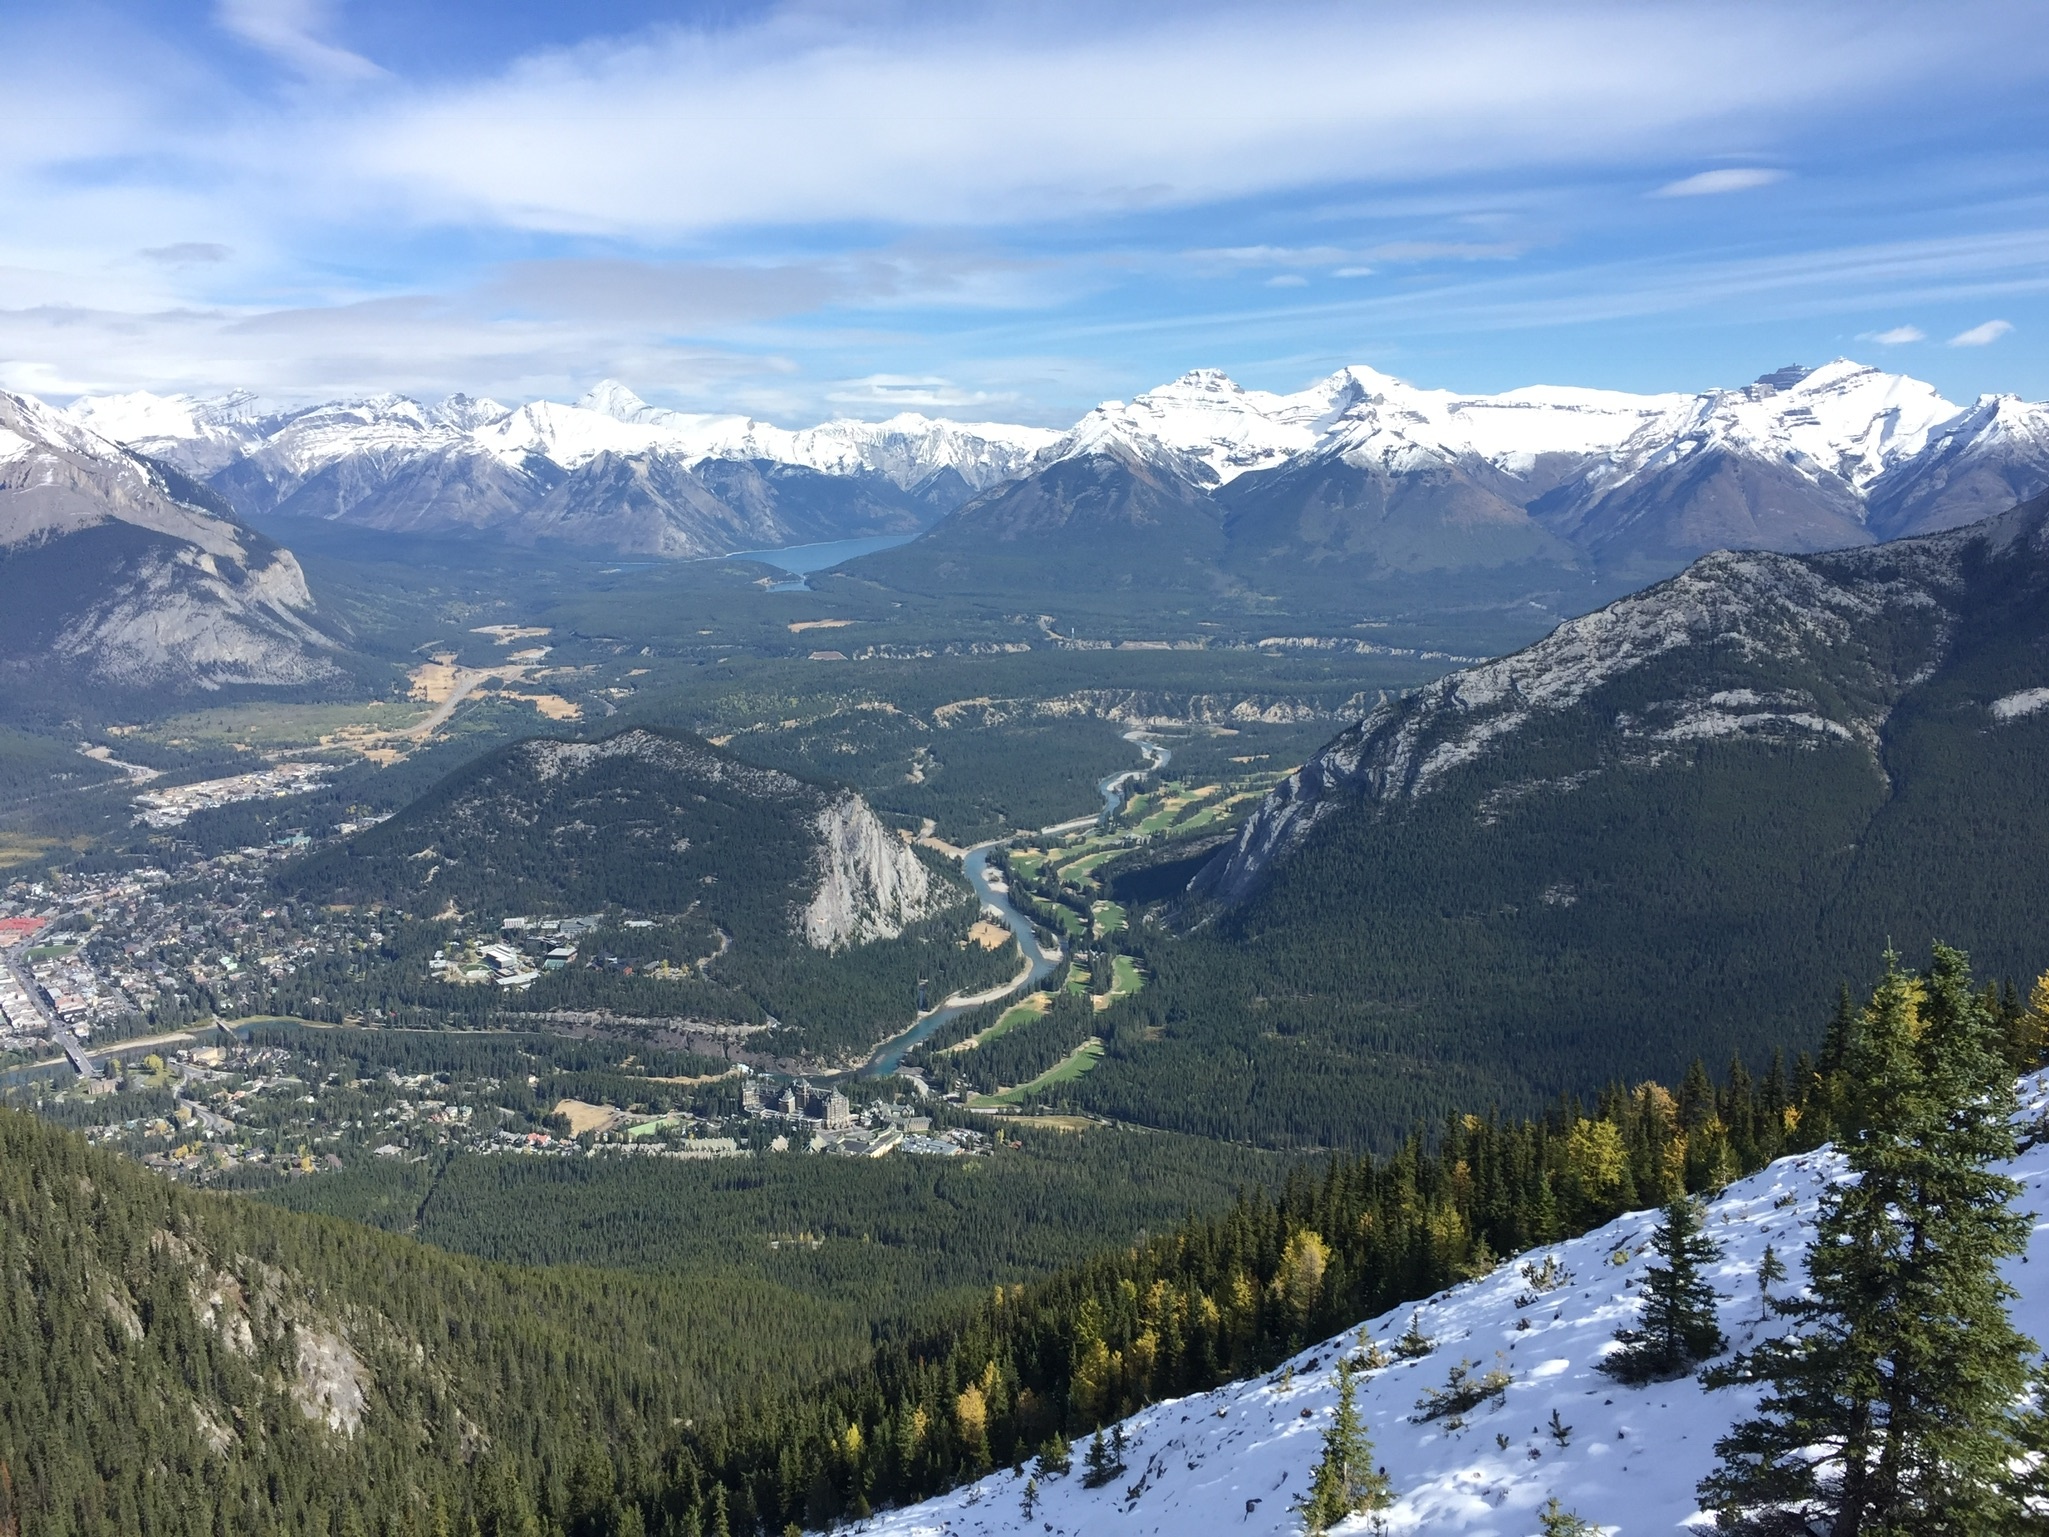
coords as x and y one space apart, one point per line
1359 476
609 472
1364 480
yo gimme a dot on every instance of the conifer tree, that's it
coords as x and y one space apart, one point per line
1414 1343
1770 1271
1101 1464
1560 1522
1679 1326
1055 1458
1345 1481
1906 1371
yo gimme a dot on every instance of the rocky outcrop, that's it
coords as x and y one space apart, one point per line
871 884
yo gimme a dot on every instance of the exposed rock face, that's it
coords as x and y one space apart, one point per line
130 574
331 1380
184 617
871 883
1778 647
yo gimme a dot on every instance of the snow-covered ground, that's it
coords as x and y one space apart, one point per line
1231 1461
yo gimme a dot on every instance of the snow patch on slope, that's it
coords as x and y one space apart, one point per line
1228 1463
2026 702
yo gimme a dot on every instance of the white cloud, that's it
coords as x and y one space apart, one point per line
288 30
990 118
1287 280
1897 336
1982 336
183 252
1711 183
1353 272
910 392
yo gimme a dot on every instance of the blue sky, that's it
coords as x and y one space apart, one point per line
1015 211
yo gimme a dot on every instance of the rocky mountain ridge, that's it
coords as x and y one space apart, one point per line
122 571
1790 648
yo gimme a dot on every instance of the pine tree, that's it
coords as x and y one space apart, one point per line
1100 1465
1345 1481
1055 1458
1770 1271
1560 1522
1679 1325
1906 1370
1414 1343
1029 1505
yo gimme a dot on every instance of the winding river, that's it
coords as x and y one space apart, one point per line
995 900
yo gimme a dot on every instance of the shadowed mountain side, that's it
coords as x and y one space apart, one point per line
1666 830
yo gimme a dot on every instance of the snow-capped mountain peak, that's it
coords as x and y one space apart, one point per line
1800 459
1844 419
197 434
1207 417
608 397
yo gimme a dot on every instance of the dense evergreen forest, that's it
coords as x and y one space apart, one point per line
884 1241
205 1358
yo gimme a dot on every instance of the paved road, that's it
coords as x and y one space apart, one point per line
59 1032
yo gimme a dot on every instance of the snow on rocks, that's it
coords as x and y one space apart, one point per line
1228 1463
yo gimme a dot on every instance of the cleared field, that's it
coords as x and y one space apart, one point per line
20 849
1109 919
269 727
1018 1014
1081 1060
584 1117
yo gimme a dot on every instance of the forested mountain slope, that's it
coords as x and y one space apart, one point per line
647 820
771 898
173 1362
1667 829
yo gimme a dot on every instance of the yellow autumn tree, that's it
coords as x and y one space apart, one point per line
1089 1367
1303 1262
1597 1165
971 1418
